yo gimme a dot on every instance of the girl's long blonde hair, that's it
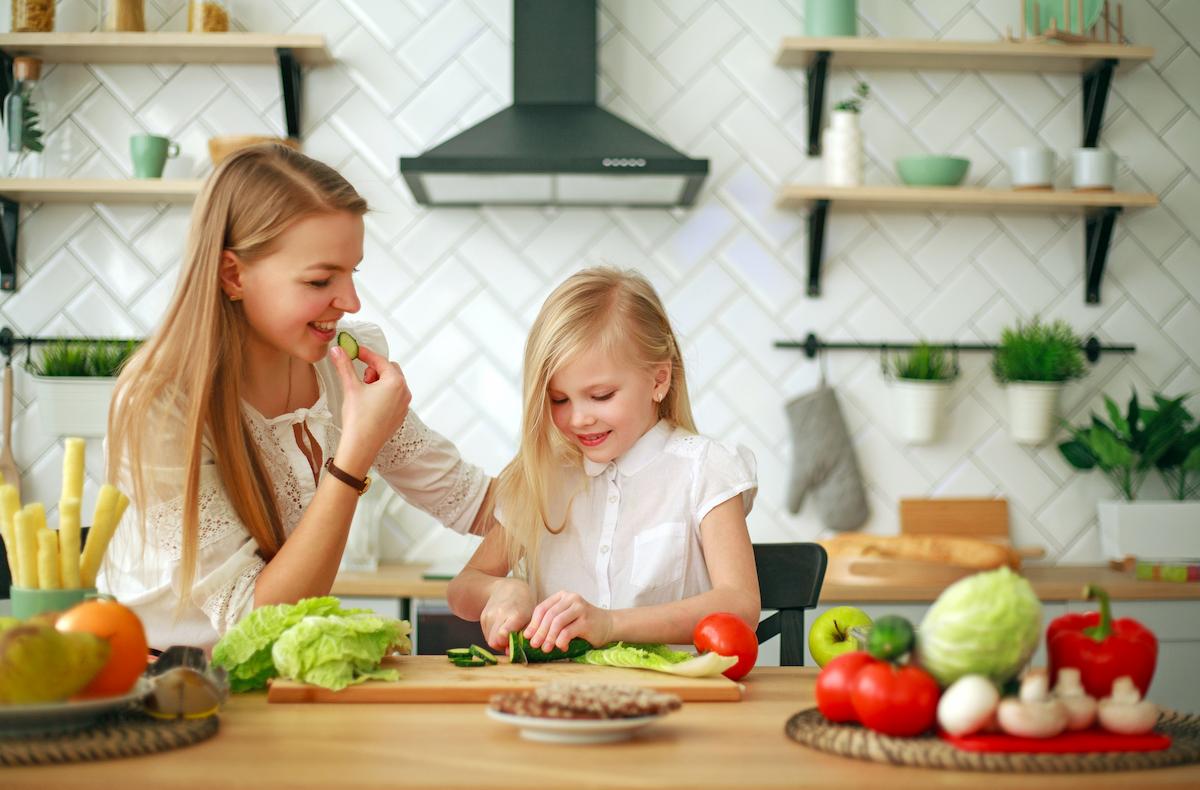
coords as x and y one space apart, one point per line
185 382
610 309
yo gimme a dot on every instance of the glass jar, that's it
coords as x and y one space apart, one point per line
32 16
23 108
123 16
209 16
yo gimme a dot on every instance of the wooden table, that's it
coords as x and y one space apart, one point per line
1051 583
705 745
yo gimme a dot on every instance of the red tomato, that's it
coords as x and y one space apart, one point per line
895 700
110 620
835 683
727 635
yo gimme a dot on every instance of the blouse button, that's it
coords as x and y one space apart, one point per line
612 499
604 549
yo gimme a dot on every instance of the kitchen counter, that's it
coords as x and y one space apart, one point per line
704 745
1051 583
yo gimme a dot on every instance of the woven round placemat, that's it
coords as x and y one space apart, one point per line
123 734
810 728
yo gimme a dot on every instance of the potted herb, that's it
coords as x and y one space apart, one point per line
1033 361
1127 448
73 381
921 384
842 143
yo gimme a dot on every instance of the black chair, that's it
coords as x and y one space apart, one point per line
789 580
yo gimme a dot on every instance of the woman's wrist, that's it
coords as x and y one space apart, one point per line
353 459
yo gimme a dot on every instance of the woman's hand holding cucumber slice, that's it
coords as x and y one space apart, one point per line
373 409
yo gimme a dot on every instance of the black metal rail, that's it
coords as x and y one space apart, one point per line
10 341
813 345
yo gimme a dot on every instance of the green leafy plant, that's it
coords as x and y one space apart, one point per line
1179 465
1036 351
31 133
855 101
1130 445
92 358
924 363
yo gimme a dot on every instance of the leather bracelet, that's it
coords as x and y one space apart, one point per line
360 486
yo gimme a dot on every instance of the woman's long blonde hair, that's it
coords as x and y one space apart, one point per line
185 382
610 309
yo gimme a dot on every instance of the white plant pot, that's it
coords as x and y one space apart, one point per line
74 406
919 406
1033 410
1150 530
842 150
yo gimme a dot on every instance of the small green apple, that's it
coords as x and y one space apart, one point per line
829 636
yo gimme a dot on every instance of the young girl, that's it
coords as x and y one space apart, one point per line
623 522
242 435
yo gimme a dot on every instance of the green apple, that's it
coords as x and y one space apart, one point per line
829 636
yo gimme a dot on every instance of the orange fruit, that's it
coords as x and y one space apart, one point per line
123 630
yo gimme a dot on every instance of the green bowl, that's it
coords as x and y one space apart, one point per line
932 171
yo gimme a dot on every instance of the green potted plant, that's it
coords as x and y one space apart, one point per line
1033 361
73 382
921 382
1127 448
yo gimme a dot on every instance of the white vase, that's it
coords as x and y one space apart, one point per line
842 150
1150 530
74 406
1032 410
919 406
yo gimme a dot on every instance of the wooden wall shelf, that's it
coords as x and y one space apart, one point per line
289 52
1096 62
1100 209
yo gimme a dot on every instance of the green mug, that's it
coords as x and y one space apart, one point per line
830 18
26 602
150 154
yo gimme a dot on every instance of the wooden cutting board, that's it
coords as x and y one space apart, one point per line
434 679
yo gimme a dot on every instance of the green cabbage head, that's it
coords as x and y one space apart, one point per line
986 624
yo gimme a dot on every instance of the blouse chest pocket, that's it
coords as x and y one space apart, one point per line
659 555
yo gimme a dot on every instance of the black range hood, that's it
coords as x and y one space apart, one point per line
554 146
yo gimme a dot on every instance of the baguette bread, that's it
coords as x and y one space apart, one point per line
946 549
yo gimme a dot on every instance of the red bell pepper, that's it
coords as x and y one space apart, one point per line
1101 648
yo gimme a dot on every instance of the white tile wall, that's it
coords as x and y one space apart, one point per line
456 289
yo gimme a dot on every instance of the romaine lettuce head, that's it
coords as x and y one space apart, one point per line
245 650
659 658
986 624
334 652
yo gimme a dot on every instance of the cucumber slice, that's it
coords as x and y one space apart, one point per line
516 648
483 654
459 652
348 344
468 662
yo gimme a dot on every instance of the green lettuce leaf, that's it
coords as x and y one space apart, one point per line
245 650
659 658
334 652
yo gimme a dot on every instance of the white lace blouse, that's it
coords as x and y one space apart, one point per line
143 570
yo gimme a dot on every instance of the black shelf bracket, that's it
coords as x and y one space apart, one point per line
1098 231
817 72
292 82
1096 81
816 244
8 250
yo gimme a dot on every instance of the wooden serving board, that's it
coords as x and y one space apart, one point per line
434 679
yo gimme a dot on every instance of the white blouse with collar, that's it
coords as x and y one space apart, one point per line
632 537
142 570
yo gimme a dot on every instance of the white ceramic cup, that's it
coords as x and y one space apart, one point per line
1031 167
1093 168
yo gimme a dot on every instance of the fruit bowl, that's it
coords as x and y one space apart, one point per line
932 170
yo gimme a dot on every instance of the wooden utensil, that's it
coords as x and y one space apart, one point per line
434 679
8 464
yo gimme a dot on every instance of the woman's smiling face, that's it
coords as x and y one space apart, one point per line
603 405
294 296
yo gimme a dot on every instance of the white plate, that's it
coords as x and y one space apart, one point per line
548 730
50 717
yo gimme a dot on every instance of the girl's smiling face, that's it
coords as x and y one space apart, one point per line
603 405
294 296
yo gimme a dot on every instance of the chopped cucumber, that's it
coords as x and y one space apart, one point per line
460 652
517 643
468 662
516 652
348 344
483 654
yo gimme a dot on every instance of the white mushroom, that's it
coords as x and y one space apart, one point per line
1125 711
1081 709
968 705
1033 714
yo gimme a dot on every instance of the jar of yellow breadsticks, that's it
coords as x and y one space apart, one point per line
209 16
32 16
123 16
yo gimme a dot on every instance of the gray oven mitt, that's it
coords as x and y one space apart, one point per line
823 462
